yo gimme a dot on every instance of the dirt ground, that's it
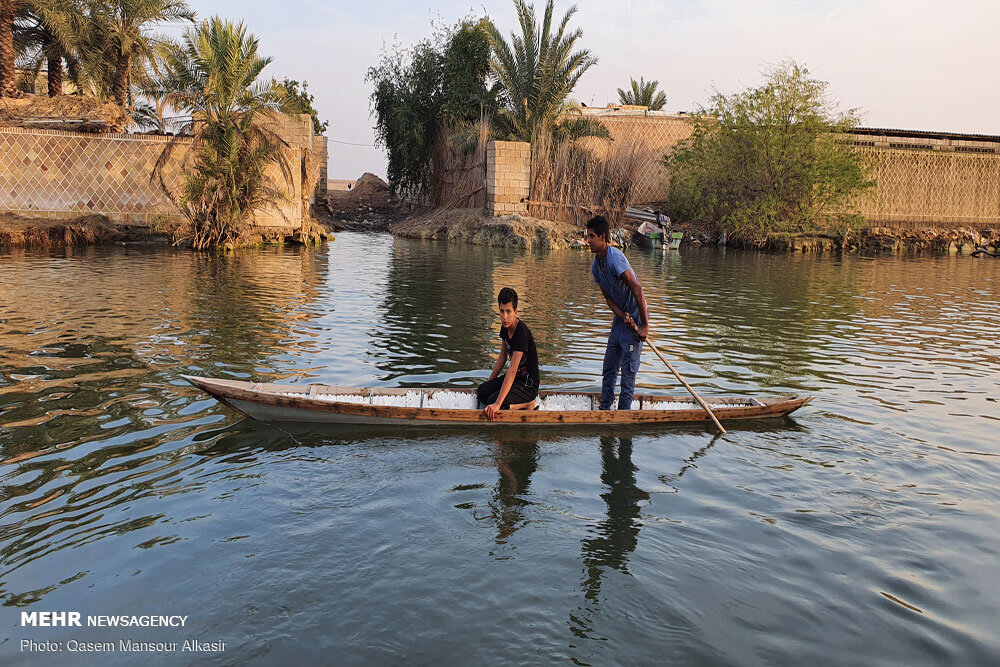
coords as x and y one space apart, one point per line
367 206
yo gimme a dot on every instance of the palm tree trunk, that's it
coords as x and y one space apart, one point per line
55 77
8 75
119 87
73 68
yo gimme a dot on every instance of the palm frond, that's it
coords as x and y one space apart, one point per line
537 70
643 93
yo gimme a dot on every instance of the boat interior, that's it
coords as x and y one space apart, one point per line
459 399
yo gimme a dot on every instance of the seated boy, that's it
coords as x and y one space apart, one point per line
517 389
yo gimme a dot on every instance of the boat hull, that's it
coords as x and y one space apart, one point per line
648 240
290 403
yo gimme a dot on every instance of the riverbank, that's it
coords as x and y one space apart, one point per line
21 232
475 226
17 232
515 231
874 241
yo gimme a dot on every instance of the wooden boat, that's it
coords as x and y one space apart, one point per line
438 407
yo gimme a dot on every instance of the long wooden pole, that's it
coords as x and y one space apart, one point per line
687 386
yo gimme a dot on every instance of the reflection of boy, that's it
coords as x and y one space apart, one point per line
624 297
517 389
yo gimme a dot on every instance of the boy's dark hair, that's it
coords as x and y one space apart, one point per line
507 295
600 226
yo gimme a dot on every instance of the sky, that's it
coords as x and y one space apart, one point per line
909 64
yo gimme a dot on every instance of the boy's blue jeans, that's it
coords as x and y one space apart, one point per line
622 356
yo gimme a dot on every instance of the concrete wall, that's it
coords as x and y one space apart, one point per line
64 175
937 183
508 177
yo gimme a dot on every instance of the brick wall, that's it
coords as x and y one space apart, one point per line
64 175
508 177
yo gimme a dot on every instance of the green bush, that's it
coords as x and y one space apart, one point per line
769 160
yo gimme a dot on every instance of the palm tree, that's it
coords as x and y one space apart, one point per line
120 40
8 55
45 31
537 71
643 94
214 77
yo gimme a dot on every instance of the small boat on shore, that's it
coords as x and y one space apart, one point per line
439 407
654 230
648 235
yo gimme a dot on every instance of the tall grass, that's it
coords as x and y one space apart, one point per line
572 181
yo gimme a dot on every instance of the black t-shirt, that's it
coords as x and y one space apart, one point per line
522 341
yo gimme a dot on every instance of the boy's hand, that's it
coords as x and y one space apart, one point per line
641 332
492 410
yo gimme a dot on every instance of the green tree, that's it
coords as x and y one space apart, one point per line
154 90
425 93
537 70
643 93
214 76
298 101
769 160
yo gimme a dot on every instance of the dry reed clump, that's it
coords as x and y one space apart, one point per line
16 232
458 167
571 183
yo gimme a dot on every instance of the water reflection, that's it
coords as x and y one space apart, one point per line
618 533
434 316
515 458
92 416
115 475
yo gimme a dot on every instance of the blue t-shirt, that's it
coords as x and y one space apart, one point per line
607 273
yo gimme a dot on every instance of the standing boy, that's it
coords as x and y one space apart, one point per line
517 389
630 327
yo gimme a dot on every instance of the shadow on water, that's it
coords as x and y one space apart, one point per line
516 459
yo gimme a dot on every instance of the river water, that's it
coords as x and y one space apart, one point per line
863 530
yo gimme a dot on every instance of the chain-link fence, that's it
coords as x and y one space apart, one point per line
649 138
931 187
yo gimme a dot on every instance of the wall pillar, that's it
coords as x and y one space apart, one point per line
508 177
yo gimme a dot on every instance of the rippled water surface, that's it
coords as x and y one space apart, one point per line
862 531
